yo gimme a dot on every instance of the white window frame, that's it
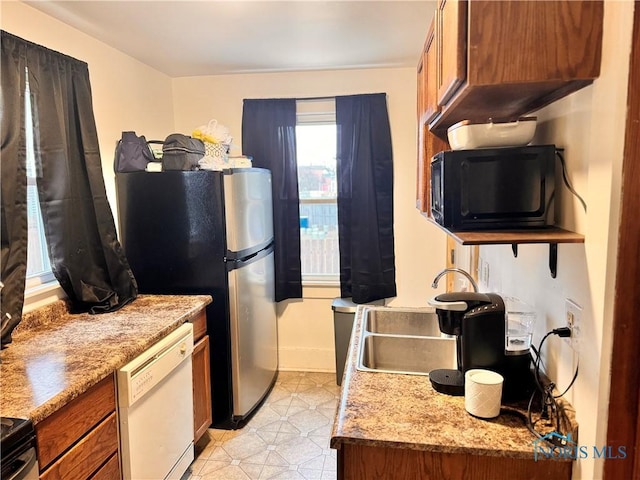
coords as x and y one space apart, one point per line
321 111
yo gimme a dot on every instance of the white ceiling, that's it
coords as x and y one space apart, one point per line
187 38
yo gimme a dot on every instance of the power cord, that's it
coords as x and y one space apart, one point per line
549 406
566 179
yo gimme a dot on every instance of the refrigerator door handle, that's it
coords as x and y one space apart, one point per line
234 264
248 252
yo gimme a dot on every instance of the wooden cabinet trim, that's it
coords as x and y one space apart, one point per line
60 430
201 370
432 145
86 457
199 322
623 423
423 176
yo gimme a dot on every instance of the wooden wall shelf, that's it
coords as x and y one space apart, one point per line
551 235
511 237
547 235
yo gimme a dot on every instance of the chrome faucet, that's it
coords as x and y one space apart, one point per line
454 270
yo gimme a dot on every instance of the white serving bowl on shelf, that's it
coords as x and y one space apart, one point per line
465 135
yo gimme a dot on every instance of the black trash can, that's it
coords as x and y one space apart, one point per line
344 312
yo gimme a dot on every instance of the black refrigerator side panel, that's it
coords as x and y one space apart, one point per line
172 232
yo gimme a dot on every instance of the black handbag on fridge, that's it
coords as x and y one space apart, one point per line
181 152
132 153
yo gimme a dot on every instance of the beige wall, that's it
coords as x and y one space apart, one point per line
590 126
127 94
306 326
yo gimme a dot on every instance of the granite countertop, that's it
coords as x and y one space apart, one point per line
404 411
56 356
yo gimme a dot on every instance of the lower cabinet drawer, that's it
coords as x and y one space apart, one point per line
84 458
56 433
110 470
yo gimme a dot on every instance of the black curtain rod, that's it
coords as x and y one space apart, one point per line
333 97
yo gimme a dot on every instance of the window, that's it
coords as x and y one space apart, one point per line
38 265
316 157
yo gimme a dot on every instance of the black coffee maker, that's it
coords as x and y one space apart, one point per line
479 323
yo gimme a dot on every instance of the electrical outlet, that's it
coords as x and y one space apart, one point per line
573 316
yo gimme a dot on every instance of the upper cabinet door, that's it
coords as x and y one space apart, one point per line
533 41
451 31
430 66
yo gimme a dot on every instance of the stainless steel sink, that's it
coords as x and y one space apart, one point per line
403 354
403 340
402 321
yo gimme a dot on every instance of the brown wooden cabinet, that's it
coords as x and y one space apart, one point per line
363 462
501 60
202 414
80 441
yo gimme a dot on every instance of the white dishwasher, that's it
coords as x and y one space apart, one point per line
155 409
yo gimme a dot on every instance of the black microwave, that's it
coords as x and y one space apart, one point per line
493 188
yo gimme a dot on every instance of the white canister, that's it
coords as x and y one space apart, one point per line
483 393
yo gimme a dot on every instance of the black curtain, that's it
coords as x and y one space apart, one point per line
365 198
268 135
13 212
86 257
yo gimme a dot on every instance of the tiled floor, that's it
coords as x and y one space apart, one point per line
288 438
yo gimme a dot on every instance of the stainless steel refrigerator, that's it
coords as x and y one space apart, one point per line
210 232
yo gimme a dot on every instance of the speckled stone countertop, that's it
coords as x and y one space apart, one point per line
56 356
404 411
